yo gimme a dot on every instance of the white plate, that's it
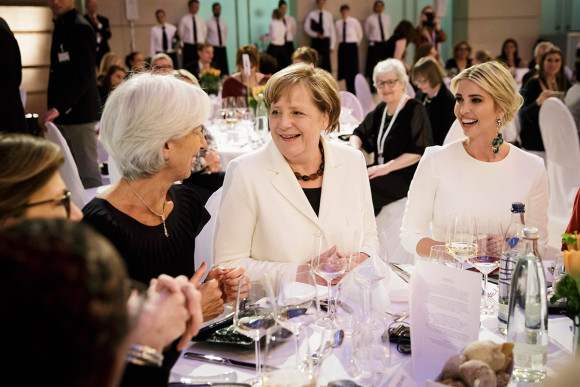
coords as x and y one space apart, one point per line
399 295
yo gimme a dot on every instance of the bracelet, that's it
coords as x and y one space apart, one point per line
143 355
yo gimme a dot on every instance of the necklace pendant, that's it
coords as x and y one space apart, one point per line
164 226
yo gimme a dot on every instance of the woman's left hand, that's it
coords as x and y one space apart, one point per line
378 170
229 281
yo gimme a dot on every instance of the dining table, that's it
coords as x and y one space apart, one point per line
339 364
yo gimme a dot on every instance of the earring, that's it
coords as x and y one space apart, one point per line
166 159
498 140
498 122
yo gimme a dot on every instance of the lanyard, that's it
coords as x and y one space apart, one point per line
381 144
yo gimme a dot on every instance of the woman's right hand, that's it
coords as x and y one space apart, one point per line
212 304
545 94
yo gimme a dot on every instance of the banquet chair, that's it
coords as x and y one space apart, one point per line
69 171
363 93
562 147
389 222
114 174
454 133
409 90
510 131
204 240
349 100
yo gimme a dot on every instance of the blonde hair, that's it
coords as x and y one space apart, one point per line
498 82
320 83
107 61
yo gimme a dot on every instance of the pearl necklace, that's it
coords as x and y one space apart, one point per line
162 215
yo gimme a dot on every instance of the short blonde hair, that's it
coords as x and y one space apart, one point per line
498 82
321 84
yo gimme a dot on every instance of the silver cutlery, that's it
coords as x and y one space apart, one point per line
218 360
404 275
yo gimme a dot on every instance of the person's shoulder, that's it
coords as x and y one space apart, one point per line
247 162
98 212
185 194
526 159
344 151
444 153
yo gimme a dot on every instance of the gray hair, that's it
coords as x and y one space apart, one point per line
391 66
162 55
144 113
542 45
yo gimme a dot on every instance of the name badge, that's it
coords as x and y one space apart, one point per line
381 160
63 57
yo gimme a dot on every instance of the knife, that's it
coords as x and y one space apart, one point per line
400 272
218 360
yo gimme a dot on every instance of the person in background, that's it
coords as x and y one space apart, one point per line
109 59
217 36
461 59
135 62
397 132
11 109
162 64
161 37
510 57
306 54
72 96
115 76
492 174
425 50
428 76
101 27
550 80
428 29
350 34
205 61
290 24
268 64
319 25
396 46
539 52
572 99
238 84
481 56
193 31
377 27
276 37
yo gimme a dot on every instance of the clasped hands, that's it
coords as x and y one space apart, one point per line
331 256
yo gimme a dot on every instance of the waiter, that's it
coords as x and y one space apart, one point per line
162 37
217 35
319 25
377 28
192 30
350 34
290 24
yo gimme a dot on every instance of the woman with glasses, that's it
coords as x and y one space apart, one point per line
397 132
30 185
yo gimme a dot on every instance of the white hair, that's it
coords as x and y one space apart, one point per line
391 66
162 55
145 112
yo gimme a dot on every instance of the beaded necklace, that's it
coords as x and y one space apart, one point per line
315 175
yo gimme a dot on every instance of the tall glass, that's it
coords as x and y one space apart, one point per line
461 240
372 352
254 315
439 254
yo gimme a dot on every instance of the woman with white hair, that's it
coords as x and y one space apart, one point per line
397 132
151 126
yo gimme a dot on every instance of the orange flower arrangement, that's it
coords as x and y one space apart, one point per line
210 80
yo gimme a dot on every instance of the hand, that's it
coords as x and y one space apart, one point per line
378 170
489 244
229 284
49 115
319 35
545 94
212 304
212 161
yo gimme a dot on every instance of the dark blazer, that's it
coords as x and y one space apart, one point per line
72 84
11 109
193 67
105 33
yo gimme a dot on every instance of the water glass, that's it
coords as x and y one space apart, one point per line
438 254
461 240
372 353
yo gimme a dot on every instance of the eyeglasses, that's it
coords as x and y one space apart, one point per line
63 200
390 83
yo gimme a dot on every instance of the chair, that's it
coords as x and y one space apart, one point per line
510 131
363 93
454 133
389 222
114 174
349 100
562 147
409 90
204 240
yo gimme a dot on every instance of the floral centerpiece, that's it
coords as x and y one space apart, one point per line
569 286
253 98
210 80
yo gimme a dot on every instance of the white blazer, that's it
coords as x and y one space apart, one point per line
265 220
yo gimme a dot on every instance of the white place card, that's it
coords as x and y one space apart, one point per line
444 310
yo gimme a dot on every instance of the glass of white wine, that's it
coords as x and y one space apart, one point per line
461 240
488 256
254 316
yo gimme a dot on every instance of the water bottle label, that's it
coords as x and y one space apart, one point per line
512 242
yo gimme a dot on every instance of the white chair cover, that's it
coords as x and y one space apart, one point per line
350 101
114 174
23 96
409 90
68 171
204 241
454 133
389 222
363 93
560 139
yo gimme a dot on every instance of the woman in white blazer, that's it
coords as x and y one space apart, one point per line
275 199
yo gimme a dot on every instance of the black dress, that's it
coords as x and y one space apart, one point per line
389 48
410 133
146 250
440 111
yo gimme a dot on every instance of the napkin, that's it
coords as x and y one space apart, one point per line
295 293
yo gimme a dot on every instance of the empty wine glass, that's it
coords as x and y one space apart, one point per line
488 256
241 106
254 315
439 254
461 241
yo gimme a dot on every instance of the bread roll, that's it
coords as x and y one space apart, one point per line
477 373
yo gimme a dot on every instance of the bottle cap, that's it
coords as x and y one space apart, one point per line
518 207
531 233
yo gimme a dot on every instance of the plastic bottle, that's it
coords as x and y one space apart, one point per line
510 252
261 123
528 313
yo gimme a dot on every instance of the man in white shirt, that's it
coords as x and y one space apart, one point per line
161 36
192 30
319 25
377 28
290 24
350 34
217 35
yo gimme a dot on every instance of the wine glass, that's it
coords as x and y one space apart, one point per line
295 299
241 106
488 256
461 241
329 262
372 352
439 254
254 315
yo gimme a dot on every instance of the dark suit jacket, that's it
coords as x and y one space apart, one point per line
11 109
72 84
105 32
193 67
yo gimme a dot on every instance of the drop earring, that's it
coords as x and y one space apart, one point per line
498 140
